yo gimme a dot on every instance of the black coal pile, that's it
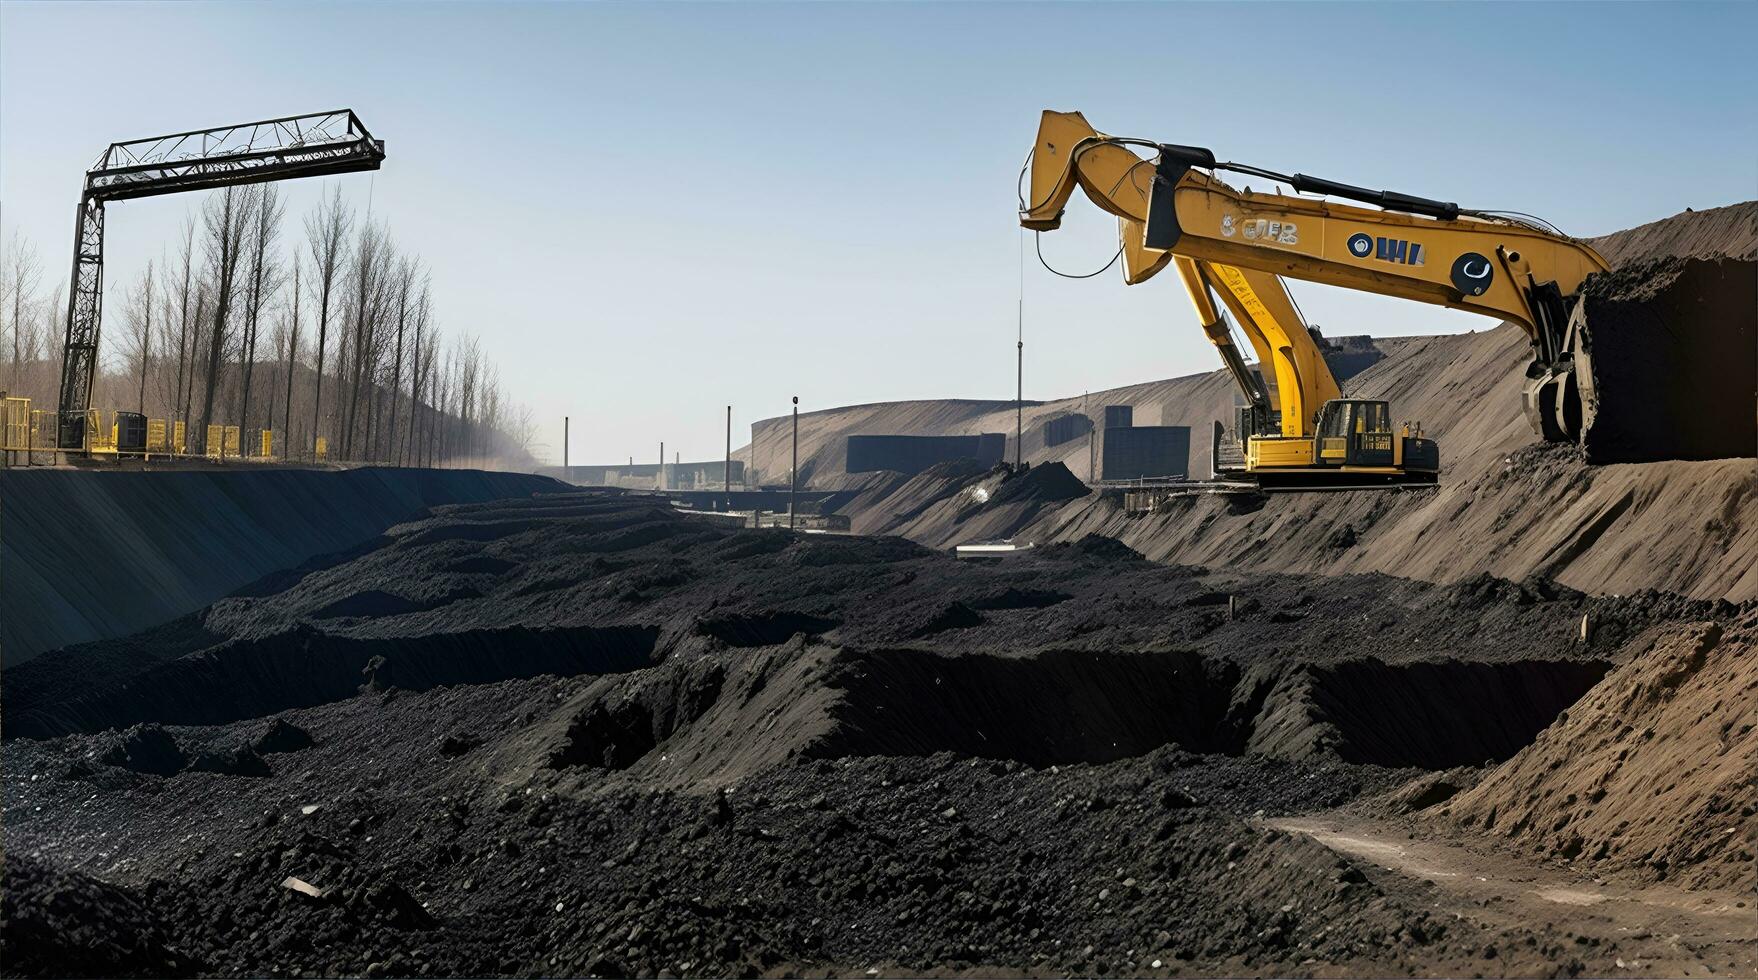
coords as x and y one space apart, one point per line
1046 482
1669 364
586 734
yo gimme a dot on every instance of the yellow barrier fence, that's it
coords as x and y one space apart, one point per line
24 429
43 429
99 438
15 424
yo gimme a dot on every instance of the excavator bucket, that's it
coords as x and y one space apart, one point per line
1664 363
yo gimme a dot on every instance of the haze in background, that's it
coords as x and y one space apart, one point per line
649 212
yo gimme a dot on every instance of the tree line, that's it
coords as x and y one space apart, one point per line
330 333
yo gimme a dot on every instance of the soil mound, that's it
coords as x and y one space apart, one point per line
1651 772
1669 368
282 736
1044 483
146 749
1091 547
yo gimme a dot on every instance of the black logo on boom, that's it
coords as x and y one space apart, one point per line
1472 273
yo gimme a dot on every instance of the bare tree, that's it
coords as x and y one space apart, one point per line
264 281
291 330
422 435
187 290
408 303
226 217
368 287
326 234
18 287
201 309
138 326
423 309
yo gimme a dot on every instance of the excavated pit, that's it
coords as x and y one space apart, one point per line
304 667
1060 707
1668 361
616 734
1422 715
1049 708
711 717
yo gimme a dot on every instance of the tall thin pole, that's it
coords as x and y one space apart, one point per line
659 477
564 446
1019 409
726 470
1019 392
793 493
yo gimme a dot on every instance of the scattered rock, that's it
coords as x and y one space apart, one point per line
146 749
283 736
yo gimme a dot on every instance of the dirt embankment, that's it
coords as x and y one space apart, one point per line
1655 770
90 555
1730 232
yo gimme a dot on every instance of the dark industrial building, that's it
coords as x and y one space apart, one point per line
1146 452
913 454
1119 416
1066 428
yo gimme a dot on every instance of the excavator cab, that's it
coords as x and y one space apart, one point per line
1355 432
1356 435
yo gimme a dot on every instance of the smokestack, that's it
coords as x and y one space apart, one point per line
564 444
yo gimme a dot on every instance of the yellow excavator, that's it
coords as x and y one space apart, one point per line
1171 209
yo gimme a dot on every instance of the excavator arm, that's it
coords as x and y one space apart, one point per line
1420 249
1070 153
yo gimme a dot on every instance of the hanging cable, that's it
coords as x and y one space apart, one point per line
1037 242
1297 310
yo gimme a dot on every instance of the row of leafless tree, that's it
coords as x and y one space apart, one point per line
332 336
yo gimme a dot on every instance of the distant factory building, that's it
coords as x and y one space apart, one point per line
1066 428
913 454
678 476
1148 452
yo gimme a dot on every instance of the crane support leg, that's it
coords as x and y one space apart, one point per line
79 360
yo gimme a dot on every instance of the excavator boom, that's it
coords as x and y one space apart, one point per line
1418 249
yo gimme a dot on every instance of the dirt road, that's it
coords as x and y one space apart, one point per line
1620 929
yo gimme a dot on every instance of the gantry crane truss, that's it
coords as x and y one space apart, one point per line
312 145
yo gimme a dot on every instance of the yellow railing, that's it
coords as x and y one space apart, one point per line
15 424
25 430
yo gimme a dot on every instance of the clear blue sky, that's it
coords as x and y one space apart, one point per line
651 211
